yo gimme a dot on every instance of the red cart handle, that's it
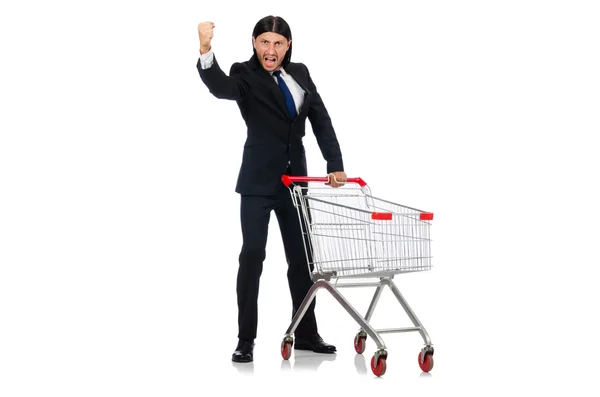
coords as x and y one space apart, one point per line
288 180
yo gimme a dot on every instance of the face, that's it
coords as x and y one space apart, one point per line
271 49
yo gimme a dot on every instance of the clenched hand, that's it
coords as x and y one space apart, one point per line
205 33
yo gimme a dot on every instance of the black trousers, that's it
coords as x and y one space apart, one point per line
255 216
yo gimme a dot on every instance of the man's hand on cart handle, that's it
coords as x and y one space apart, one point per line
337 179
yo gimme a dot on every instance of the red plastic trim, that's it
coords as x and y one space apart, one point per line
426 216
381 216
359 181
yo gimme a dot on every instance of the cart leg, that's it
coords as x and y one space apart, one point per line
374 302
410 313
356 316
310 295
345 304
378 362
361 335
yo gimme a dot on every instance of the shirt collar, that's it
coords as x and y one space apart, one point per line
283 72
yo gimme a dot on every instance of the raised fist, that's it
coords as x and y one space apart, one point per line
205 33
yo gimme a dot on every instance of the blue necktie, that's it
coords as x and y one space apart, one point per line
287 95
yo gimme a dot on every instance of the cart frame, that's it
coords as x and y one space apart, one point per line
329 280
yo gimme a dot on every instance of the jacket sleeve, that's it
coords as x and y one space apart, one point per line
231 87
323 130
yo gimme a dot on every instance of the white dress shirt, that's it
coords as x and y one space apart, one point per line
206 61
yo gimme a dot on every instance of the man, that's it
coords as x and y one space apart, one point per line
275 97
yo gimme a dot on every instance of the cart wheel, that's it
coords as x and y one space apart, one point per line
359 344
427 364
381 367
286 350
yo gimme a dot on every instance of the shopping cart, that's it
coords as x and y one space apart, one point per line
350 234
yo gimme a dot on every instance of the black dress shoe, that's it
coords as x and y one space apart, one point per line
243 352
314 343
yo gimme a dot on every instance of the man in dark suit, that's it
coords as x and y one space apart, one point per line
275 97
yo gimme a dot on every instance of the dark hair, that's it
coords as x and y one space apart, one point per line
276 25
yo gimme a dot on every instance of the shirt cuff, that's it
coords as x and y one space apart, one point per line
206 60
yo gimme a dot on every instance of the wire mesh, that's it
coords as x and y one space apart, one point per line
344 238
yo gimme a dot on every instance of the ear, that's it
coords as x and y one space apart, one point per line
289 44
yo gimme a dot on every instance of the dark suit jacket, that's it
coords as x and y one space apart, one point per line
273 141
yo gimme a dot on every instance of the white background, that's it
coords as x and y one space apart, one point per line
119 224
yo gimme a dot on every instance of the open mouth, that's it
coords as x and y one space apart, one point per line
270 61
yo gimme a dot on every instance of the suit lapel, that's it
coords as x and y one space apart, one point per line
268 79
291 69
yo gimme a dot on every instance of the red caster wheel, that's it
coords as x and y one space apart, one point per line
286 349
360 342
427 364
381 366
